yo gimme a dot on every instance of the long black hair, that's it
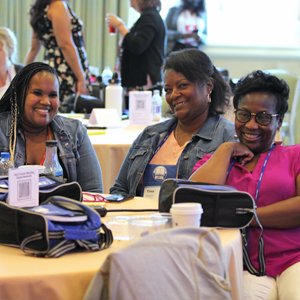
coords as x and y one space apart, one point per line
36 12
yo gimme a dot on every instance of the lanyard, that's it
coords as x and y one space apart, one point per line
163 141
245 233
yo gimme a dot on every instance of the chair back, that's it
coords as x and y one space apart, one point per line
290 130
178 263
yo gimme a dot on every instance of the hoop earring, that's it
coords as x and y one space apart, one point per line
208 98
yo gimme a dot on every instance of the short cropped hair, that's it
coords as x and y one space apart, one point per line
259 81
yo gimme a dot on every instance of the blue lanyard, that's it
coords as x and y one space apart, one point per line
163 141
245 233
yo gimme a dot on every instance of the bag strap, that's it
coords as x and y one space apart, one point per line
261 258
106 238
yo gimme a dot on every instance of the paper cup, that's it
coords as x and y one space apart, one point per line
186 214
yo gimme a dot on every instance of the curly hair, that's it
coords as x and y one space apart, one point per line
14 98
197 67
259 81
144 4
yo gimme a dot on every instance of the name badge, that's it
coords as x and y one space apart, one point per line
151 192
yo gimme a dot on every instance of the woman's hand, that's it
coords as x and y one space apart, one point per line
240 152
216 168
113 20
81 87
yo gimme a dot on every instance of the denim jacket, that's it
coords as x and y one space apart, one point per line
214 132
76 153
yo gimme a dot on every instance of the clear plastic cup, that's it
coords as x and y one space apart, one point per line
112 30
144 225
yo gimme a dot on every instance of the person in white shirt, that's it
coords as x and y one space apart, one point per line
186 25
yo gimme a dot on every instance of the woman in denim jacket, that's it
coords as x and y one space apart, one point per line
197 95
28 118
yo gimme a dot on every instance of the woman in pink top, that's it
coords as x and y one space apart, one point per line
270 173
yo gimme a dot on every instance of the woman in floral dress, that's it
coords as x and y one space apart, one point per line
56 27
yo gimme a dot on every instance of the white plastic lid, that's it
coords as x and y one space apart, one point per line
186 208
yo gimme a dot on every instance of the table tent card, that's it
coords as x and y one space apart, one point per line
140 107
104 117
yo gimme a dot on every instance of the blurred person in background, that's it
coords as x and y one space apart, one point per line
186 25
8 57
60 31
143 47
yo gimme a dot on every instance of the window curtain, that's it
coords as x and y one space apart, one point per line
100 46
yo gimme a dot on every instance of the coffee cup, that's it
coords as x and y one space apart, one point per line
186 214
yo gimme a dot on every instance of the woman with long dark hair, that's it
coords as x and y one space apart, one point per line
59 30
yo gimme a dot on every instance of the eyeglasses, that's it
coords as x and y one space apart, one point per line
262 118
95 198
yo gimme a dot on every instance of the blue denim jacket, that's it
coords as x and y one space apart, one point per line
76 152
214 132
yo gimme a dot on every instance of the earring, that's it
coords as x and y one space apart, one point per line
236 137
208 98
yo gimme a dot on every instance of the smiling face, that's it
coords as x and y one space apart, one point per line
186 99
41 103
256 137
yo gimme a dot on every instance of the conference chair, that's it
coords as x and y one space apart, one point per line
178 263
290 130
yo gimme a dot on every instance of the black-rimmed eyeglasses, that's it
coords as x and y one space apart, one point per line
261 118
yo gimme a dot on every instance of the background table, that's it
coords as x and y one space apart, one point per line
111 149
25 277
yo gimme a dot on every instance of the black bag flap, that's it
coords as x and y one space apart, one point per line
16 224
167 189
70 190
221 207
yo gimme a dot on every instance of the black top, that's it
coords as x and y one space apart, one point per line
144 49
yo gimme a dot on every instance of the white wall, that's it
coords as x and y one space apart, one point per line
242 60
